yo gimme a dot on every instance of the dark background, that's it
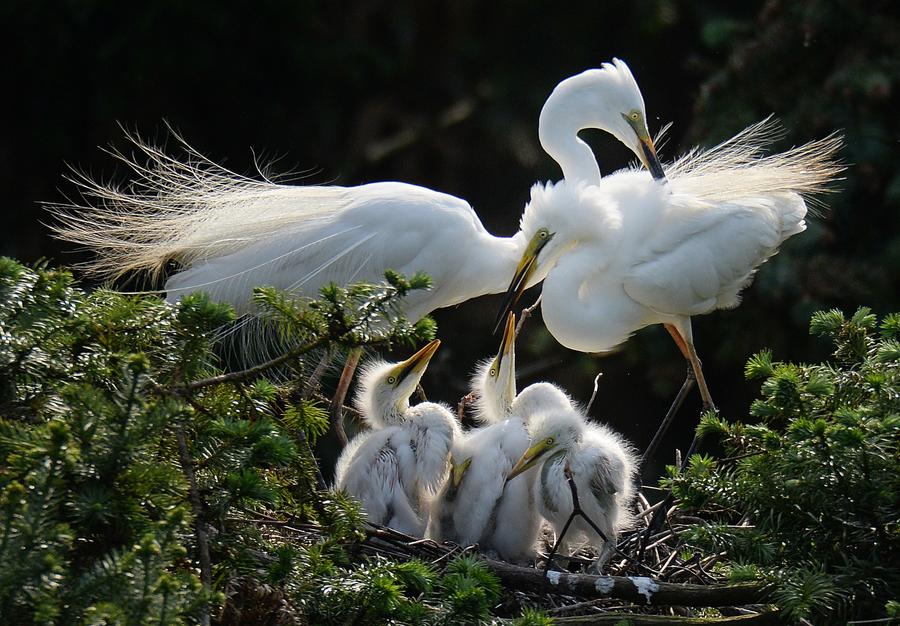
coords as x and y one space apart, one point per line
447 95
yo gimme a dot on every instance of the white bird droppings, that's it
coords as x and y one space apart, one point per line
553 577
604 584
645 586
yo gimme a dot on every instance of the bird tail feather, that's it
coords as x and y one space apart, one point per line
737 167
181 209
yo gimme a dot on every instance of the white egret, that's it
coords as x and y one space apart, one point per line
602 465
393 468
230 233
478 505
629 251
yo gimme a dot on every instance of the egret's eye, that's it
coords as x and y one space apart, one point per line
493 371
549 441
391 380
543 233
635 116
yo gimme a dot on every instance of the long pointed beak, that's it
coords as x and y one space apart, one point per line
651 161
508 343
529 459
524 270
417 363
457 472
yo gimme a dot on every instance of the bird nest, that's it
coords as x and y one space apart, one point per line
651 578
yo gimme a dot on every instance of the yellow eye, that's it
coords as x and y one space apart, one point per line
543 233
391 380
635 116
549 441
493 372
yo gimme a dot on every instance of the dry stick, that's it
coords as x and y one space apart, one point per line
633 589
765 618
464 402
577 511
313 381
590 403
256 370
197 507
336 411
526 313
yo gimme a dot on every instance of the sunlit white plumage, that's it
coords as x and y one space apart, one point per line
230 233
602 464
478 505
394 468
630 251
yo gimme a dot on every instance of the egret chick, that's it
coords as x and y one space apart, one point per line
393 468
480 505
602 465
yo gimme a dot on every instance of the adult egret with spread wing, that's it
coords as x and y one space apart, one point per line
629 251
393 468
230 233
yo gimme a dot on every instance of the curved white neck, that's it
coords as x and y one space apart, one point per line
559 138
582 307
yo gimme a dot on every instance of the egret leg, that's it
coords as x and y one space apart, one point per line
336 410
670 415
684 339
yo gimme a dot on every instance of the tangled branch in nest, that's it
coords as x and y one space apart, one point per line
645 592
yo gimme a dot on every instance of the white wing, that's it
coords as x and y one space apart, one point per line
231 233
375 227
494 450
699 256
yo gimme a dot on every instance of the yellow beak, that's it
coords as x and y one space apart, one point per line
458 471
524 270
417 363
647 149
529 459
651 161
508 343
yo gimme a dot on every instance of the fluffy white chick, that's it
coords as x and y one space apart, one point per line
394 468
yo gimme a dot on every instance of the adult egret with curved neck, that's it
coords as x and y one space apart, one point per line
628 252
230 233
602 465
393 468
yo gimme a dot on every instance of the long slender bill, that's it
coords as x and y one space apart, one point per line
524 271
529 459
417 363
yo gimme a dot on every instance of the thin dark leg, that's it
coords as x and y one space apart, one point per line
670 415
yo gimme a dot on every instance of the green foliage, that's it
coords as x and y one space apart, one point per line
121 454
809 496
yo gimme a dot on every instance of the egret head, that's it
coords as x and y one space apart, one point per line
494 381
385 388
555 429
607 98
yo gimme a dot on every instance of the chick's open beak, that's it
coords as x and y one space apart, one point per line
417 363
529 459
524 271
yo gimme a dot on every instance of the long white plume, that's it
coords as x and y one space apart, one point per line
181 210
737 169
